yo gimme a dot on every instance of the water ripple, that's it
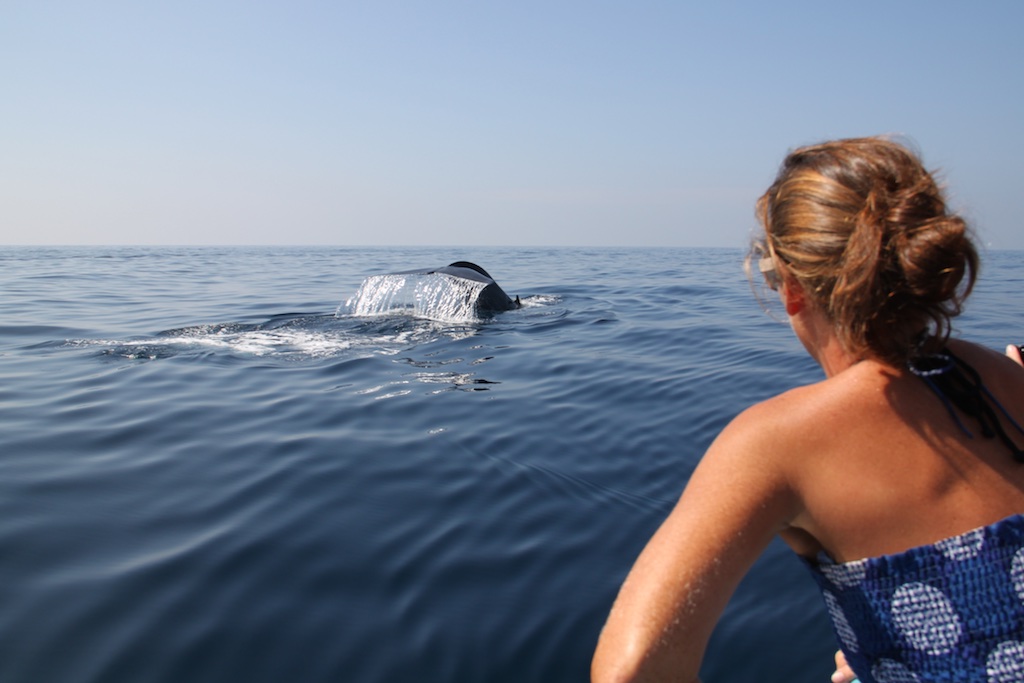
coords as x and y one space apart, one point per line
207 475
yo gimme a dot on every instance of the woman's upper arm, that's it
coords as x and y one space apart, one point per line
736 501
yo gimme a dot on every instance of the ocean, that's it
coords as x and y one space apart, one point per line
212 469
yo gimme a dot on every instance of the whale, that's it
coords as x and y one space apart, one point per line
490 299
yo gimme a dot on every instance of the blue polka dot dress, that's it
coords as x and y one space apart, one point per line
950 611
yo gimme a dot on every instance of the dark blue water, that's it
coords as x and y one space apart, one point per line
209 471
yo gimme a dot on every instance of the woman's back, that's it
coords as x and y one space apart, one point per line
913 529
871 441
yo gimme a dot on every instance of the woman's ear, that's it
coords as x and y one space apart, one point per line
793 296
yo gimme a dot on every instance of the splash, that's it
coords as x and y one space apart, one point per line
433 296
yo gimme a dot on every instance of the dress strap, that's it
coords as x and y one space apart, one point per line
958 384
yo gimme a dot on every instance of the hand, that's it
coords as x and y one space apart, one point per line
1015 353
843 674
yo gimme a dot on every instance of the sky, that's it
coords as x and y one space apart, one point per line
578 123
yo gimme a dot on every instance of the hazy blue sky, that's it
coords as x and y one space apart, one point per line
479 123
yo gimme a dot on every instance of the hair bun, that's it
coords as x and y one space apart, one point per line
933 258
863 226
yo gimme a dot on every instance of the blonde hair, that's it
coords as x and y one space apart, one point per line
864 229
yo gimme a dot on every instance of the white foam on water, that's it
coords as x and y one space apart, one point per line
286 342
259 343
267 342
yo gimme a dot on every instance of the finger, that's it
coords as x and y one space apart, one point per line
843 672
1015 353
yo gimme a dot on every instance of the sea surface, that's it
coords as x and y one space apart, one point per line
212 470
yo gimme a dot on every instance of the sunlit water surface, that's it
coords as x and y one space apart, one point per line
213 469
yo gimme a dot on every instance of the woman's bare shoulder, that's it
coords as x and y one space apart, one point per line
799 429
805 408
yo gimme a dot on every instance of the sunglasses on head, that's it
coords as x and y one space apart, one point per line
771 276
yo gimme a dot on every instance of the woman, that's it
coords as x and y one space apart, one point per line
912 437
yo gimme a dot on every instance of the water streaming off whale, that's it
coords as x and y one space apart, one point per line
432 296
